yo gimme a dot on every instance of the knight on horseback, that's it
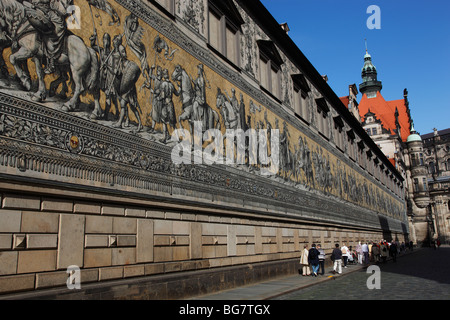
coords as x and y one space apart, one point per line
48 18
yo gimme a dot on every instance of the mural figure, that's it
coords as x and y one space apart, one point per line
27 27
167 108
241 112
228 112
269 133
286 156
126 74
108 58
159 45
155 113
105 6
52 30
133 33
305 162
191 96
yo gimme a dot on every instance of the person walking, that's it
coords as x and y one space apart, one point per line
345 254
393 251
365 251
306 271
336 257
313 259
384 250
321 259
376 253
359 252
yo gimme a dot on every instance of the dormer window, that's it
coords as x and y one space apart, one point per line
225 29
301 90
168 5
270 63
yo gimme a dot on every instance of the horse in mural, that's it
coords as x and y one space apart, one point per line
21 25
210 119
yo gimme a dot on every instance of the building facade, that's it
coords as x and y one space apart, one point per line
422 161
436 147
88 138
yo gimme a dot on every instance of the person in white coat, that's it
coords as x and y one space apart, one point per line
306 270
345 254
359 253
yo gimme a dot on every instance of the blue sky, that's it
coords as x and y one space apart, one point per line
411 50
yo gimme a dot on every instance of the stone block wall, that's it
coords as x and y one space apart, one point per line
111 239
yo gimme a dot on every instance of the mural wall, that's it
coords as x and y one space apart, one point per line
135 81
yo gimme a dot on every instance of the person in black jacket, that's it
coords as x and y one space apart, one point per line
321 259
313 259
393 251
336 257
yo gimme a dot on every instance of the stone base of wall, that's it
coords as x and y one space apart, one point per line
170 286
132 248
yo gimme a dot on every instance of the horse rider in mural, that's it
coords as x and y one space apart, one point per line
48 18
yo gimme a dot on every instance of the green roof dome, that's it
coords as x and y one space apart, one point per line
414 136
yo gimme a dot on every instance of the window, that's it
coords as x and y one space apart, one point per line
416 185
301 90
224 29
424 180
352 145
322 117
431 168
169 5
338 132
374 131
413 160
270 68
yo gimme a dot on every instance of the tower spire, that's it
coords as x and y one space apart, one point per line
370 84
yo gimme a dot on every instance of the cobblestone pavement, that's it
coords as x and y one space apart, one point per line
421 275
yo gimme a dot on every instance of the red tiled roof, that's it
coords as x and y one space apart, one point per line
385 111
392 160
345 100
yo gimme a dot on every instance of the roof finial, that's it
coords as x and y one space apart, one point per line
365 40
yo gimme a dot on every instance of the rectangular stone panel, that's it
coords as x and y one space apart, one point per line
96 240
10 220
87 207
40 222
5 241
16 283
123 256
41 241
231 242
97 257
13 201
113 210
126 240
195 242
124 225
71 240
36 261
144 241
56 205
8 262
99 224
